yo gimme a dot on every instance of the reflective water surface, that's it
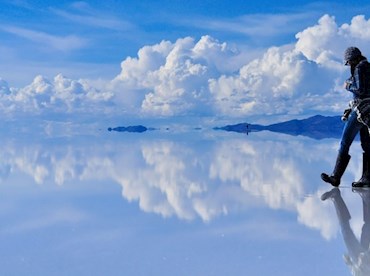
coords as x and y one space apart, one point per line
190 203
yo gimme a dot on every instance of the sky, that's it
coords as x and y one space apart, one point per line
177 58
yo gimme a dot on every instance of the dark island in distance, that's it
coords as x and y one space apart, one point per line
137 129
316 127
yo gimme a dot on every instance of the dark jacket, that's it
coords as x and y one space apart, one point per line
359 83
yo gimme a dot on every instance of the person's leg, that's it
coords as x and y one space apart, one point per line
364 181
365 139
350 130
349 133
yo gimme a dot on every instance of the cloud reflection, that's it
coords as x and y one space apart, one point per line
200 179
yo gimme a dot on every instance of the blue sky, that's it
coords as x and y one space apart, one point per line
70 34
90 39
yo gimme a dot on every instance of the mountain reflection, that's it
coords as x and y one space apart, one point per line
189 179
358 257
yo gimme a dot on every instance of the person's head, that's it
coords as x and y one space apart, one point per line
352 56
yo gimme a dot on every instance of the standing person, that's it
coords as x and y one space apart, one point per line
359 85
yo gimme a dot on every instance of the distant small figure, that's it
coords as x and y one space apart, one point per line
359 85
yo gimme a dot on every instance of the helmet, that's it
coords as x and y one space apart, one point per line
351 53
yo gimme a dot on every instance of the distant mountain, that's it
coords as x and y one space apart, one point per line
316 127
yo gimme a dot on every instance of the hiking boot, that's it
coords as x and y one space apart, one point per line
364 181
340 166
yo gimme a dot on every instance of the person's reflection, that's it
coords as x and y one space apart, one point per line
358 257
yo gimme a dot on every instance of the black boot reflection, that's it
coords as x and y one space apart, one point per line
358 257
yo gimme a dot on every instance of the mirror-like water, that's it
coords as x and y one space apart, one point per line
194 203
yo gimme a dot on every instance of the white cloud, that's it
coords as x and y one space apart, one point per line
172 78
209 77
305 77
325 42
61 95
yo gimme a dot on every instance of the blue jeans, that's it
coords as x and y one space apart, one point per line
350 130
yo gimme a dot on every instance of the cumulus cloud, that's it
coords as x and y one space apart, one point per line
172 78
60 95
281 82
189 77
209 77
325 42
